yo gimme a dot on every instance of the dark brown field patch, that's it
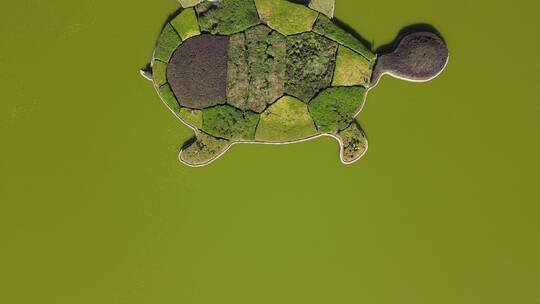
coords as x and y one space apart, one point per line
418 56
197 71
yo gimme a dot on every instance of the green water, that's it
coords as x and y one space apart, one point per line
95 208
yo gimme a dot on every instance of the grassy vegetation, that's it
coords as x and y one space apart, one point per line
159 72
186 24
266 59
309 65
287 119
167 43
204 149
192 117
351 68
230 123
286 17
334 108
326 27
227 17
324 6
189 3
354 142
256 68
237 72
168 95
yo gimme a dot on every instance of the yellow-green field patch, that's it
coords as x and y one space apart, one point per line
287 119
286 17
324 6
159 72
192 117
186 24
351 68
189 3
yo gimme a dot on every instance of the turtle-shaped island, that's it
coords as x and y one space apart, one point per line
275 72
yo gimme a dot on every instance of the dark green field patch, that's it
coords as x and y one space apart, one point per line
167 43
168 96
326 27
227 17
334 108
310 63
228 122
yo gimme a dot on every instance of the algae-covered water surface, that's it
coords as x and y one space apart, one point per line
96 208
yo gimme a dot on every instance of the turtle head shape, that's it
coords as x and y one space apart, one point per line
275 72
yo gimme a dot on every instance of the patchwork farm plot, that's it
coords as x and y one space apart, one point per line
271 71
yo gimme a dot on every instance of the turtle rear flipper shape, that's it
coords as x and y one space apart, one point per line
353 143
275 72
203 149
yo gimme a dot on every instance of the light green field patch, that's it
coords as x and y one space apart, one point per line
192 117
189 3
326 27
186 24
159 72
287 119
351 68
169 97
286 17
326 7
167 43
334 108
